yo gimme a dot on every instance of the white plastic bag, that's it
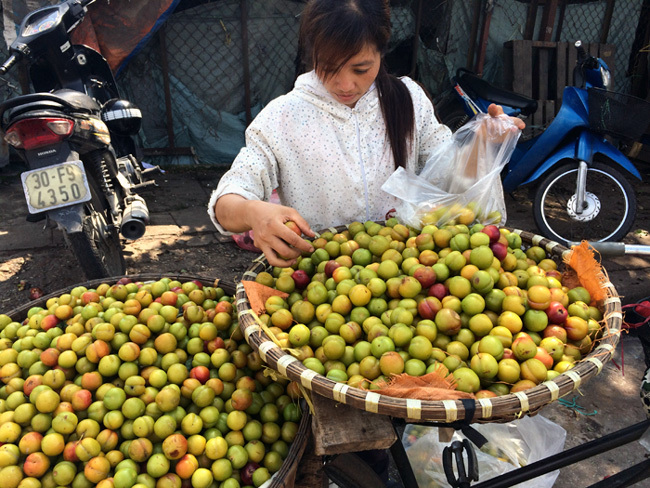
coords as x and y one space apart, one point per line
510 445
460 181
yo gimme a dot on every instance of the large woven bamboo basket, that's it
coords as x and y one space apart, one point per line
20 312
499 409
285 476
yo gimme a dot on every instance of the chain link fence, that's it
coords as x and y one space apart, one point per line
206 73
200 81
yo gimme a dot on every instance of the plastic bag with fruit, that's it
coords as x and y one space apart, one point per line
510 445
461 181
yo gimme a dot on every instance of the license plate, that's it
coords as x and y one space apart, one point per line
56 186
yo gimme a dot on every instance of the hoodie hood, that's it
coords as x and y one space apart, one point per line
309 87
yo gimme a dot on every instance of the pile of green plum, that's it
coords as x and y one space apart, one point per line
381 299
134 384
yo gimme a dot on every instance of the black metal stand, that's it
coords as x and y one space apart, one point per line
566 458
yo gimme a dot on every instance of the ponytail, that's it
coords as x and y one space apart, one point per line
399 115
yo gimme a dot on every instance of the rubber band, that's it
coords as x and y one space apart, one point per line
372 401
283 362
617 314
609 300
486 407
523 399
264 348
597 362
451 410
339 391
537 239
575 407
241 301
551 245
413 408
608 347
306 377
249 274
575 377
250 329
553 388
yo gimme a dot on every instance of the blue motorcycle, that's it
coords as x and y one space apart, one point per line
579 177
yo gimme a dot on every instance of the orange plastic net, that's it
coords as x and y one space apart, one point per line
437 385
587 271
258 294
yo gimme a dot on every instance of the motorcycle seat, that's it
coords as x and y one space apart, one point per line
480 87
41 108
79 101
66 101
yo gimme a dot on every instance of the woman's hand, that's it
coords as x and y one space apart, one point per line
280 244
495 110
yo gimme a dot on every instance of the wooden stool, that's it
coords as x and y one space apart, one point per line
339 428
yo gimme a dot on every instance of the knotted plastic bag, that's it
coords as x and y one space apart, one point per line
460 182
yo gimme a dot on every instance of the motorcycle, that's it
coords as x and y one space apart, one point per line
76 136
579 177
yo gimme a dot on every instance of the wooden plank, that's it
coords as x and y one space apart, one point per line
543 60
545 44
339 428
562 70
473 37
549 112
607 21
548 20
485 35
572 58
592 49
531 16
560 20
522 58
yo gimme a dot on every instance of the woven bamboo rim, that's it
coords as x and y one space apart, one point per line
499 409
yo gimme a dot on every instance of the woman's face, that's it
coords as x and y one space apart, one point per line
354 79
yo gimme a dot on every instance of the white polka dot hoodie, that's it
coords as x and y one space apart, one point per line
326 160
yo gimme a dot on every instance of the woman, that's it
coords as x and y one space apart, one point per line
330 143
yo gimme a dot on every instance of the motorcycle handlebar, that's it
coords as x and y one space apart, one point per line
8 64
582 54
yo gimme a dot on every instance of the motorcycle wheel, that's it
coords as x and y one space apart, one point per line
451 113
610 206
98 248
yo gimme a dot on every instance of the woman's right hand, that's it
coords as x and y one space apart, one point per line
274 238
281 245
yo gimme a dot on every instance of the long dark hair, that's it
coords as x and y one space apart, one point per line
333 31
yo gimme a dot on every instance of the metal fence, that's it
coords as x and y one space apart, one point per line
214 65
203 76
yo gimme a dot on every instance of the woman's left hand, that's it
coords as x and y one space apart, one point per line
495 110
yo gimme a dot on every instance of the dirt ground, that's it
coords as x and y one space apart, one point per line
181 241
